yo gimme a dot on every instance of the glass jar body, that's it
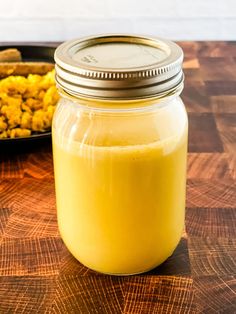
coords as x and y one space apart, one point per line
120 176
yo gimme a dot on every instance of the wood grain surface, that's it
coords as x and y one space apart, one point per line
39 275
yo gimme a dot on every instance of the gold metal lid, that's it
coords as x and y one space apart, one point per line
119 66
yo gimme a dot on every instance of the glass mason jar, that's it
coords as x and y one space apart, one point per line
119 148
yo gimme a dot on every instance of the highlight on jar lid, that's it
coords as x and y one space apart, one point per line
119 66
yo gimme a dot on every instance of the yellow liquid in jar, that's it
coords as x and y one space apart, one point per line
120 206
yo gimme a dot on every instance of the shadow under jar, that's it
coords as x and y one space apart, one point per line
119 148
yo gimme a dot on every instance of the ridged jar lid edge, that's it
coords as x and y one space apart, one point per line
82 65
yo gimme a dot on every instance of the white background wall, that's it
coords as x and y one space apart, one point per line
64 19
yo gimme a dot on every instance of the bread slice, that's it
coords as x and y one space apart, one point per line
24 68
10 55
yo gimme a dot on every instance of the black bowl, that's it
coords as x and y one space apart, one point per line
43 53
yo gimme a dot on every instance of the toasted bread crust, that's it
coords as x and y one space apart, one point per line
10 55
24 68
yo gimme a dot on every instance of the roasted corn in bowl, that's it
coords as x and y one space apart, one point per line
27 104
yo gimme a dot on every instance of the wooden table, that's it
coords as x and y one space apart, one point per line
38 274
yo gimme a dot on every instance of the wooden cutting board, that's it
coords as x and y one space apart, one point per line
38 274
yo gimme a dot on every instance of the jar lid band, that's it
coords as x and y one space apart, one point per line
119 66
